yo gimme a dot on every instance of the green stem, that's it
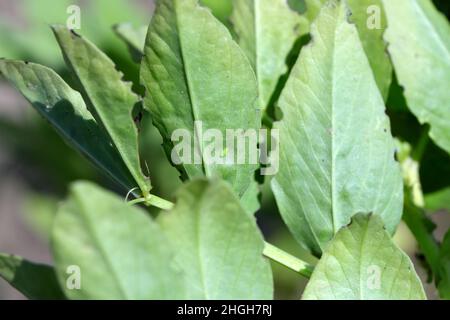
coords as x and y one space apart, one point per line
287 260
158 202
152 200
421 145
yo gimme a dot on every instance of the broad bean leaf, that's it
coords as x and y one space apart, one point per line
109 98
120 252
336 152
267 31
133 37
34 281
370 20
66 111
363 263
418 39
193 71
217 243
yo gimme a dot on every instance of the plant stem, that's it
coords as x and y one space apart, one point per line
152 200
421 145
287 260
159 202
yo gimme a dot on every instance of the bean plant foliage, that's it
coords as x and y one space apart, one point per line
323 78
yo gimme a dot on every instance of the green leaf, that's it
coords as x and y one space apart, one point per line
444 269
370 20
250 200
121 253
267 33
34 281
66 111
133 37
363 263
194 71
337 152
217 243
419 45
110 99
438 200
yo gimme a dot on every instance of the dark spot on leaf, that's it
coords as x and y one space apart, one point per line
395 156
27 62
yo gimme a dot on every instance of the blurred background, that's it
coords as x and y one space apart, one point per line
36 166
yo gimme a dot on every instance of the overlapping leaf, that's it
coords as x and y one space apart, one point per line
217 243
109 98
194 71
267 33
120 252
207 247
362 263
370 20
35 281
336 150
65 109
419 45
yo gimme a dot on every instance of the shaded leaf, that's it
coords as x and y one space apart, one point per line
110 99
334 122
267 33
422 228
194 71
34 281
421 57
120 251
363 263
217 243
66 111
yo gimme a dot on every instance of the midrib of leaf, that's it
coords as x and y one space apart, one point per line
195 112
361 252
199 253
425 19
97 242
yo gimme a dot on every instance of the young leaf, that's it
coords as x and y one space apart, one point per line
133 37
337 152
194 71
119 251
362 263
420 53
66 111
217 243
110 99
370 20
267 33
34 281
